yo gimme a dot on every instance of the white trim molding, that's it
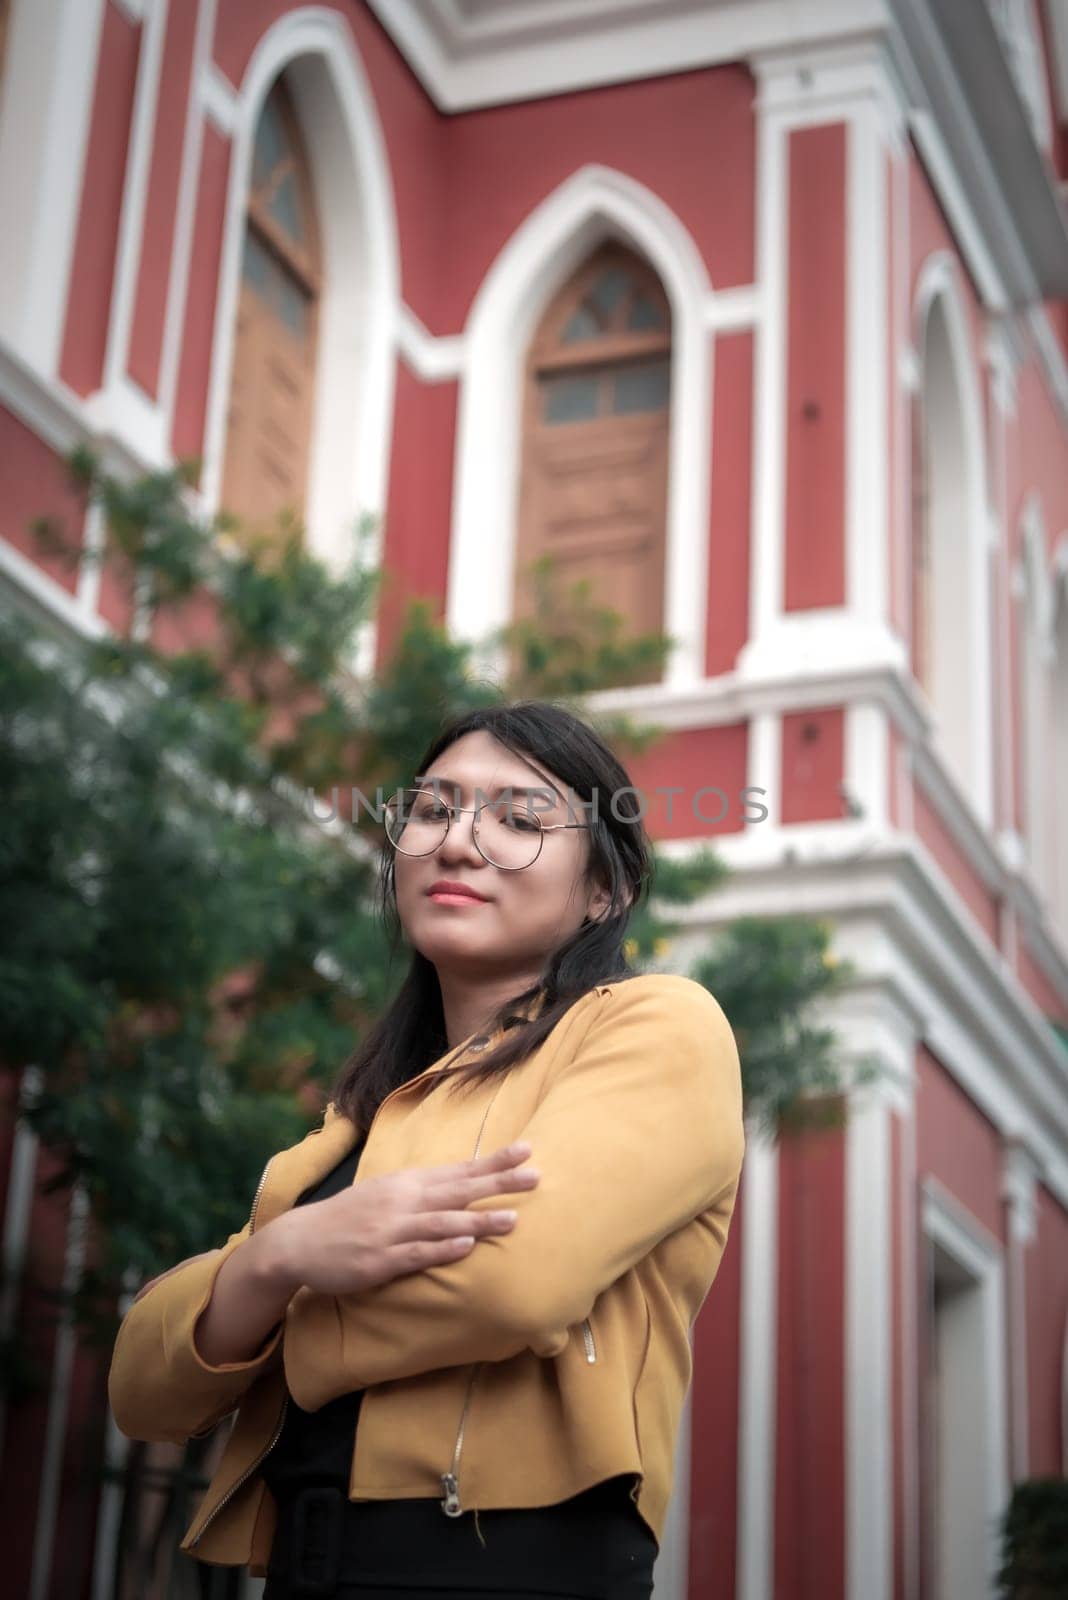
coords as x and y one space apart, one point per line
970 748
593 204
359 308
432 357
978 1257
868 1020
759 1312
185 215
868 1346
470 53
50 74
1021 1172
120 406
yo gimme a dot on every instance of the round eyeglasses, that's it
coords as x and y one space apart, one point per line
508 833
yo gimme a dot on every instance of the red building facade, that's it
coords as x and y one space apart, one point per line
819 413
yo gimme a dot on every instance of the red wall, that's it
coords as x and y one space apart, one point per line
714 1407
198 335
815 361
812 765
958 1144
954 863
810 1466
146 334
1047 1327
696 760
415 552
35 484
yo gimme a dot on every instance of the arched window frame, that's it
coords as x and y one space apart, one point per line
964 744
360 288
599 361
1036 655
594 204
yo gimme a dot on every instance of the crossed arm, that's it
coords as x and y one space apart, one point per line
641 1132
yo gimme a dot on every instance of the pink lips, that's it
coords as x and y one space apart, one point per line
447 893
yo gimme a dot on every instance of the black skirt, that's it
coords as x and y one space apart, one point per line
592 1546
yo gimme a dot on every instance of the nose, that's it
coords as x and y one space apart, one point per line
459 843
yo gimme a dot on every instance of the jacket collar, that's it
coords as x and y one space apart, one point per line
292 1171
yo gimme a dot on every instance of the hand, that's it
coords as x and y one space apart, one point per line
402 1222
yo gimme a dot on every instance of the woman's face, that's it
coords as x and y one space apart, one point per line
522 915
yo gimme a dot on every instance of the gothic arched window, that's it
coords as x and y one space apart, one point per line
593 490
273 384
948 558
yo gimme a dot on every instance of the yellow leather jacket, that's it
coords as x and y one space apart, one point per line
545 1359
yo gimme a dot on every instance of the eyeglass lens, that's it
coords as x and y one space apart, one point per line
508 835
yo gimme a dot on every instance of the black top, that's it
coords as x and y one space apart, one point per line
580 1546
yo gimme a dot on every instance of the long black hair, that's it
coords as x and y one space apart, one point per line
410 1035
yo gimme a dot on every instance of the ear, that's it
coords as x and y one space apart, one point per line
599 905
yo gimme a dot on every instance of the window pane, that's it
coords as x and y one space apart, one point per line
569 399
270 144
285 207
609 289
641 388
645 314
582 325
292 304
256 264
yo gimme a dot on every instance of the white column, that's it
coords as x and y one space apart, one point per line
869 1021
869 1462
757 1378
50 74
1020 1169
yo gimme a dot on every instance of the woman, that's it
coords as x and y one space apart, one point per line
401 1352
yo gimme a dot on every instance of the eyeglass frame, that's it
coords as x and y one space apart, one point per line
543 829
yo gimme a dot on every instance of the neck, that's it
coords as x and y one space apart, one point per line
469 1004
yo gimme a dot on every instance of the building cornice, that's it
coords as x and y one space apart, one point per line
474 53
470 54
955 68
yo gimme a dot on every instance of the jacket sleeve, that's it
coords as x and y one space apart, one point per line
159 1386
641 1132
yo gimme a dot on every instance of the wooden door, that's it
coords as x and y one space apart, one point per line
595 440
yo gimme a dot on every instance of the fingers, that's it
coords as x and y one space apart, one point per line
465 1181
509 1156
417 1252
434 1226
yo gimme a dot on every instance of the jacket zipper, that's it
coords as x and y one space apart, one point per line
450 1481
450 1502
587 1334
